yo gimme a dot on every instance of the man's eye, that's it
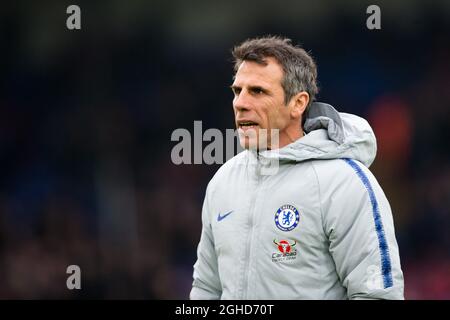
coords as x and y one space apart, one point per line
258 91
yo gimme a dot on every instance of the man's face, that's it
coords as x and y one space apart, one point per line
259 104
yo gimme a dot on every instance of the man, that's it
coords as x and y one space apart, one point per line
318 227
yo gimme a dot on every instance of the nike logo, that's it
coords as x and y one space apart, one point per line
220 218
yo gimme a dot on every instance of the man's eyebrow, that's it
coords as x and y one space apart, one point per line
261 88
251 88
257 88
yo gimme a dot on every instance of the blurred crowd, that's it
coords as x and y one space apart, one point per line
86 119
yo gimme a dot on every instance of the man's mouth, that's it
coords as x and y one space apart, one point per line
245 125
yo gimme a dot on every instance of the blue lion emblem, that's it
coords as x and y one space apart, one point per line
287 217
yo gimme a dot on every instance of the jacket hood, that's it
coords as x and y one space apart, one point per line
330 134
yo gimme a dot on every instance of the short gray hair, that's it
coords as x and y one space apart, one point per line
300 70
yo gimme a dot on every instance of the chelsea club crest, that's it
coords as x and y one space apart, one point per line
287 217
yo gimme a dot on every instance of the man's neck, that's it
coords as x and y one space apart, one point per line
289 137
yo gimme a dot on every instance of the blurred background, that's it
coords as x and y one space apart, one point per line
86 119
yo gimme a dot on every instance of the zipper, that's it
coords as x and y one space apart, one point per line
251 221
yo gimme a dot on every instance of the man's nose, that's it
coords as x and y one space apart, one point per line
241 102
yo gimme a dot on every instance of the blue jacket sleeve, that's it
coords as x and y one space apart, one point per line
358 222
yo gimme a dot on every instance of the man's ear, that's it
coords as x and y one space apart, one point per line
299 104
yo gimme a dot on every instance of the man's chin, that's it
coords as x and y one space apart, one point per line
248 144
253 139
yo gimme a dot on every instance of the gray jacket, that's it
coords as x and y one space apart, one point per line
307 221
